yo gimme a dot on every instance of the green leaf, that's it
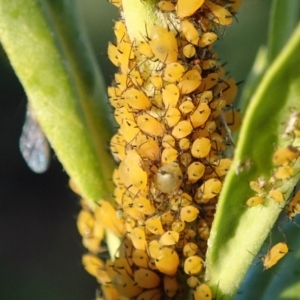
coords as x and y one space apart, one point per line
283 19
238 232
50 53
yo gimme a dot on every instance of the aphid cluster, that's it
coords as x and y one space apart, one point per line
284 160
170 98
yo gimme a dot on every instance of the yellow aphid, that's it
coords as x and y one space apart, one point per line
193 265
168 178
113 52
190 249
144 49
121 265
129 224
92 263
182 129
178 226
109 292
221 15
169 155
170 95
195 171
186 107
189 31
209 81
107 217
168 141
135 77
189 81
192 281
203 229
274 255
126 286
152 294
163 44
185 159
186 8
188 51
255 201
146 278
167 218
154 225
285 155
171 285
256 186
200 115
222 166
122 114
169 238
140 258
121 32
234 5
92 244
173 72
154 248
173 116
117 147
210 188
122 81
228 90
143 205
147 147
201 147
167 261
203 292
125 54
157 81
131 171
138 238
209 64
189 213
85 223
184 144
276 195
283 172
206 39
150 125
117 3
166 6
205 97
294 206
133 213
136 99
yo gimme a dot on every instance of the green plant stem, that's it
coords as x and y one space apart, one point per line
50 53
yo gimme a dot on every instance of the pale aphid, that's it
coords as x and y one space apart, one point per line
163 44
255 201
146 278
285 155
203 292
276 253
171 285
33 144
276 195
192 281
193 265
186 8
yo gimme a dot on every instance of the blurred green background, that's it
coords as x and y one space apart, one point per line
40 249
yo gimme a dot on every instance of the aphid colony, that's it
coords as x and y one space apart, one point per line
170 98
284 160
